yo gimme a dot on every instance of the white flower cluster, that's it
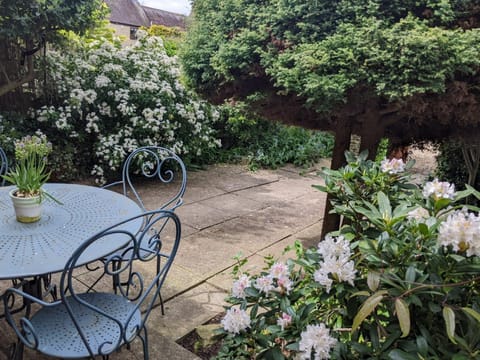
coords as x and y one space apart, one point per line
393 166
336 262
316 338
239 286
129 96
278 279
235 320
418 214
284 321
439 190
461 231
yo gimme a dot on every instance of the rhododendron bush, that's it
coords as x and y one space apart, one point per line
399 280
113 100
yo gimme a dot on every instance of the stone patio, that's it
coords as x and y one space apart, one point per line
228 211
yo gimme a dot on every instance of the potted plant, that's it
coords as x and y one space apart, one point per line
29 175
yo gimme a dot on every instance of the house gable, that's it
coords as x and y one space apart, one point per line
131 13
165 18
127 12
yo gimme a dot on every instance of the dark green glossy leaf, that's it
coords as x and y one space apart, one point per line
398 354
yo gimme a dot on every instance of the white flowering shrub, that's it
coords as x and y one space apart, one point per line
400 281
113 100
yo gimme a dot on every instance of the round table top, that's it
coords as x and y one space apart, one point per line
45 246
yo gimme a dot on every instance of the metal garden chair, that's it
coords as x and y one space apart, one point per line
3 166
154 163
97 323
160 166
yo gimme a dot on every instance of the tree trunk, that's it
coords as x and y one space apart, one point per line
331 222
371 132
471 156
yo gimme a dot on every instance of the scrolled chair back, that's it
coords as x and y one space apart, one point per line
159 164
101 320
3 166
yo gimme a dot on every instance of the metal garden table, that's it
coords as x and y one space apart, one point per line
32 250
30 253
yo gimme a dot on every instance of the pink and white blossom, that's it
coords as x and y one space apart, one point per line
418 214
334 246
336 263
239 286
285 284
284 321
439 190
461 231
264 284
393 166
235 320
279 270
316 338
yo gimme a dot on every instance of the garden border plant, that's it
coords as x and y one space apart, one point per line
111 100
400 281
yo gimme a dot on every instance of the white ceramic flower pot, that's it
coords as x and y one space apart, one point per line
27 210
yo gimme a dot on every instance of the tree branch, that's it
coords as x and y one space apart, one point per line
4 71
12 85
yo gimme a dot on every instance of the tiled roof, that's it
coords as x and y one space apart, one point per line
166 18
127 12
130 12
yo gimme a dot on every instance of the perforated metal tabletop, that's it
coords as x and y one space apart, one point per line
45 246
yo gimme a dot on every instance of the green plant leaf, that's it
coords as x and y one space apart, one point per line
472 313
403 316
422 345
441 204
449 317
367 308
274 354
423 228
373 280
384 206
398 354
320 187
360 293
410 275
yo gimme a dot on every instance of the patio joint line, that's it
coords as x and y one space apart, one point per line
232 191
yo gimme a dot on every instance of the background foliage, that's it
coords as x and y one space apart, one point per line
26 27
269 144
372 66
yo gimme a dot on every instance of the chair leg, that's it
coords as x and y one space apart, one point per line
161 303
160 294
144 339
16 352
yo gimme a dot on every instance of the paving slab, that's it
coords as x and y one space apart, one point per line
310 236
200 216
188 310
207 254
230 183
233 204
199 191
167 349
325 162
278 192
253 231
